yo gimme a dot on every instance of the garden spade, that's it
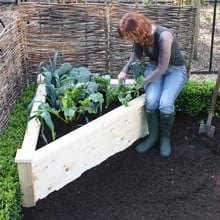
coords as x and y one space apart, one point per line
207 127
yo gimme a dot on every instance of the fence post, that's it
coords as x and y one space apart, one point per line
197 23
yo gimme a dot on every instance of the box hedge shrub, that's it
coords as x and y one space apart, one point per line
10 140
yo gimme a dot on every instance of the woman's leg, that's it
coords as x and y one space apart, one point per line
153 92
174 81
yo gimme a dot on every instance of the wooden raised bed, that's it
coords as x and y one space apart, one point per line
51 167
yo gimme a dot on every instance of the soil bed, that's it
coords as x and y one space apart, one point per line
62 128
132 186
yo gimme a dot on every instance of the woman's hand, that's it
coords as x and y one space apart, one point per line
122 76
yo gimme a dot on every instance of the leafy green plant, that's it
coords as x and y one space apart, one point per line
124 93
76 92
138 68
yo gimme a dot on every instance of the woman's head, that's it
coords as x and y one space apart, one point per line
136 27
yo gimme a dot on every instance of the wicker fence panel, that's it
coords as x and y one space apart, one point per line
12 75
77 31
120 49
86 34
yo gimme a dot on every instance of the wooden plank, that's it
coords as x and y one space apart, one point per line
25 173
65 159
24 156
33 127
115 82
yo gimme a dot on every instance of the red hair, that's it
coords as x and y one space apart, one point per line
135 26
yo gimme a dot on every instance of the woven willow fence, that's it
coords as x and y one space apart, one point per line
84 34
12 74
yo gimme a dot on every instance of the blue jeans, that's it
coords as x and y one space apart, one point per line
162 93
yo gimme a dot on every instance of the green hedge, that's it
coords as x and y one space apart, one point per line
194 99
10 140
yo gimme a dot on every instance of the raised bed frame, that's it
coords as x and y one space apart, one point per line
40 171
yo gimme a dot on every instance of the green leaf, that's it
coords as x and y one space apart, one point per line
92 87
80 74
48 121
64 69
53 64
70 114
125 99
47 76
103 81
138 68
52 95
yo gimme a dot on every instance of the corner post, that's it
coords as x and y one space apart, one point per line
24 165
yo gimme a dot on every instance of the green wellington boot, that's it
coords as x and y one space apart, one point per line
166 124
153 127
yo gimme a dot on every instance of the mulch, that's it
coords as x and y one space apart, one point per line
132 186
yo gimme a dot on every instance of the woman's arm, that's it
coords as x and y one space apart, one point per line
165 45
136 55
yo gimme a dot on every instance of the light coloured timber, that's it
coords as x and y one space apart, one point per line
26 181
67 158
115 82
24 156
33 127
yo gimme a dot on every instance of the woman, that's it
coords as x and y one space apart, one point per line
165 76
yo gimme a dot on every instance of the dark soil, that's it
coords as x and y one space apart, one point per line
62 128
132 186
